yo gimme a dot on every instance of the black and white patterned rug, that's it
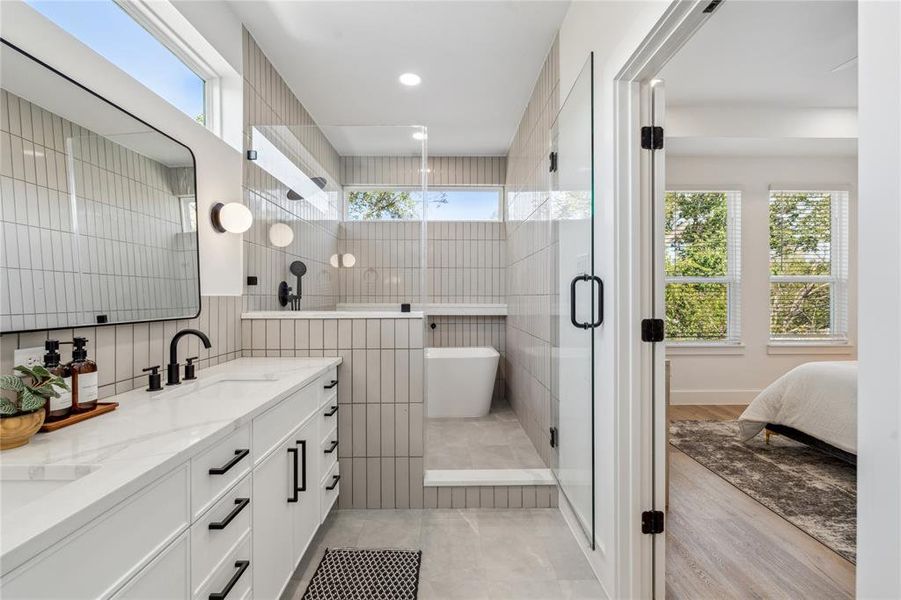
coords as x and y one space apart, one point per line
810 489
354 574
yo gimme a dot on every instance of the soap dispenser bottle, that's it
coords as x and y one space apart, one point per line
84 378
57 408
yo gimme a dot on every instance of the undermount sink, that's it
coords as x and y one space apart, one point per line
211 385
22 484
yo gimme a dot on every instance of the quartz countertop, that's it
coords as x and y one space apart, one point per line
331 314
146 437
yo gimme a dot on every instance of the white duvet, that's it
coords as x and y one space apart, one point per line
818 398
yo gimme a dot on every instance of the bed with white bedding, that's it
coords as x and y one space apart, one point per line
817 399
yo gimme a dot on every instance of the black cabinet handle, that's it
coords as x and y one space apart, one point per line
331 448
303 476
240 504
600 315
572 301
334 484
239 456
331 384
332 410
241 566
294 490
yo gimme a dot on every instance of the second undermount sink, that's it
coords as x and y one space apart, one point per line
22 484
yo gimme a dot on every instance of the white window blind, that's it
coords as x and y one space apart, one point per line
808 265
702 245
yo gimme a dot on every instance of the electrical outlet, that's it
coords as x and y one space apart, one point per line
29 357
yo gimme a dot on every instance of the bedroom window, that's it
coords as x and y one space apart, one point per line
808 265
702 264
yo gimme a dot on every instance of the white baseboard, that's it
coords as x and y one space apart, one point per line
712 397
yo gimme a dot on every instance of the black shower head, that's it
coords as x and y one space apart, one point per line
298 268
292 195
320 181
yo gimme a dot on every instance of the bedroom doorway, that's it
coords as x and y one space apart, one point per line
749 256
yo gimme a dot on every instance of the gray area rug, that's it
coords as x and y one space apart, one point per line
353 574
811 490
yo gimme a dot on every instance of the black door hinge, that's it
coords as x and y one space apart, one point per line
652 521
553 437
652 330
553 159
712 6
652 138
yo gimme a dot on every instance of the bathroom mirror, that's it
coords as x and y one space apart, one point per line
97 208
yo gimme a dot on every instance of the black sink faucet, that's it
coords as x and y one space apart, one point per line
173 371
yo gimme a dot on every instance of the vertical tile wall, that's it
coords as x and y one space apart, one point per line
531 254
270 104
467 332
467 262
442 170
121 351
389 254
380 419
128 258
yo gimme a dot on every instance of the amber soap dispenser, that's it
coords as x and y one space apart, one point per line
57 408
84 377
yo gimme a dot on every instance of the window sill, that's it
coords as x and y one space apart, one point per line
811 348
713 349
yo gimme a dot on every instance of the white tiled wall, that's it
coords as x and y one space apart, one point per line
531 255
467 262
127 258
121 351
406 170
269 102
388 262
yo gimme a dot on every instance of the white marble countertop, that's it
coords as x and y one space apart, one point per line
331 314
145 438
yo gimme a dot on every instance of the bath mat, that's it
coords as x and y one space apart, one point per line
808 488
354 574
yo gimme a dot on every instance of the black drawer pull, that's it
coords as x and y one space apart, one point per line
240 504
334 484
241 566
239 455
331 411
331 384
293 453
331 448
303 470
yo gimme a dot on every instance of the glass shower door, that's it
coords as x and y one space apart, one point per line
578 299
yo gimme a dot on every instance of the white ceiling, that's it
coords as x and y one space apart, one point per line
766 52
479 61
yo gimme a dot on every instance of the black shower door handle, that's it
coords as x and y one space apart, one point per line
572 301
600 315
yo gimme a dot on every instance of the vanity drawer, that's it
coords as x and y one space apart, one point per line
104 554
270 428
165 577
328 451
328 496
328 415
219 468
329 385
231 576
219 529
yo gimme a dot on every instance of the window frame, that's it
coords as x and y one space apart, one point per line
839 312
732 279
498 189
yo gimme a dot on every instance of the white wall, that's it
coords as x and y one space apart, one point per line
614 31
735 376
879 384
219 166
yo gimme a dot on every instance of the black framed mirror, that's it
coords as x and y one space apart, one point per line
98 211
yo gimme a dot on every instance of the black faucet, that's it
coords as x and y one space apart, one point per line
173 371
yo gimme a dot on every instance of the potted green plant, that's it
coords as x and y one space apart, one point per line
23 415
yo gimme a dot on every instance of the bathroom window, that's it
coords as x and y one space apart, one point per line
702 264
808 266
405 204
107 29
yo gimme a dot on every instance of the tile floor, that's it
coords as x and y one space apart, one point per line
497 441
466 554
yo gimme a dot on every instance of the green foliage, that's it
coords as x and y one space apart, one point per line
29 396
696 233
379 205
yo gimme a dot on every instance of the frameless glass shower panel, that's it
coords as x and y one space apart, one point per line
577 292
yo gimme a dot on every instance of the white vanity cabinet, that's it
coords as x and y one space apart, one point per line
232 522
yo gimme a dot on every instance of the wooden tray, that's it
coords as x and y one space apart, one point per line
102 407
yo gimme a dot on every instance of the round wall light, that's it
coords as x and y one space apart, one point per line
281 235
420 136
233 217
345 260
410 79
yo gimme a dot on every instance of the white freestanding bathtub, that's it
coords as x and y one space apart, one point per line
460 381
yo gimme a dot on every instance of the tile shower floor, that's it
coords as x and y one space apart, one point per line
497 441
466 554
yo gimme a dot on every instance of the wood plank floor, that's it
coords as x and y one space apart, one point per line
721 543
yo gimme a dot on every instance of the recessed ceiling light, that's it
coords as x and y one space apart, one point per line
419 136
410 79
